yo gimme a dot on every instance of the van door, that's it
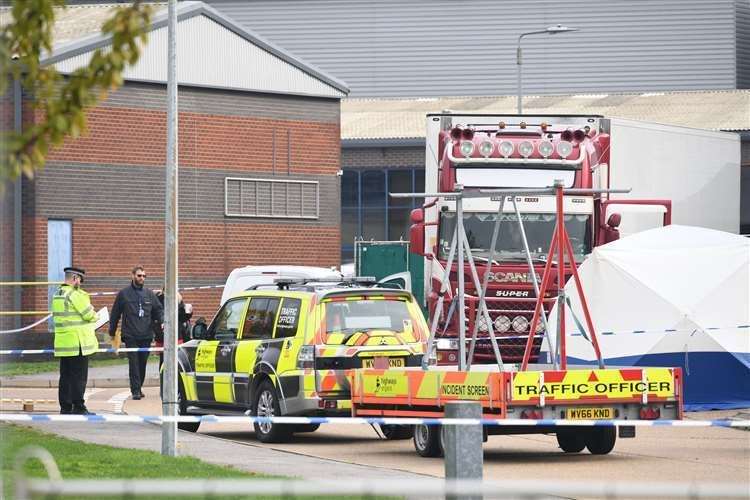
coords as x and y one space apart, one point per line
257 332
214 358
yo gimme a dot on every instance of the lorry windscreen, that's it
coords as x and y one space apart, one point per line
539 227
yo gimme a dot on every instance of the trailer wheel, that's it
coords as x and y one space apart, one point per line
394 432
428 440
601 440
571 440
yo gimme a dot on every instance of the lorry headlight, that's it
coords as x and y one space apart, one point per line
467 148
502 323
520 324
506 148
564 148
482 324
485 148
526 148
546 148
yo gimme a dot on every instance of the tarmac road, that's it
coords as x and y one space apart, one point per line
656 454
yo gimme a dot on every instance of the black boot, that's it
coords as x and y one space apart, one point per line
81 410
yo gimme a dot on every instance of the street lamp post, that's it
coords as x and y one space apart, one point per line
550 30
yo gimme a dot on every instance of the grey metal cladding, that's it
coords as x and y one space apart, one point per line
137 193
743 43
448 47
225 102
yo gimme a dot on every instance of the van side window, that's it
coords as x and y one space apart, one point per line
227 320
288 318
261 316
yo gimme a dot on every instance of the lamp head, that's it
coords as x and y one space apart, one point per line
553 30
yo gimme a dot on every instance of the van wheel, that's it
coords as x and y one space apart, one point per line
571 440
182 409
267 405
306 427
601 440
393 432
428 440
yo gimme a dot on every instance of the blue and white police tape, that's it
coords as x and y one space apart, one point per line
129 419
28 327
21 352
667 330
185 289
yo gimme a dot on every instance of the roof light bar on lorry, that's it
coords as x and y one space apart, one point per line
467 133
564 148
456 133
566 135
486 148
526 148
467 148
546 148
506 148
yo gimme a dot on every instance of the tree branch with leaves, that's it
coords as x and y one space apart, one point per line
62 100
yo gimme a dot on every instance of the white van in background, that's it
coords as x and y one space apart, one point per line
243 278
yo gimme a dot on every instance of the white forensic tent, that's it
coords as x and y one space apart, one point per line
671 296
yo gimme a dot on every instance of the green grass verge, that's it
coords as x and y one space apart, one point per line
79 460
14 368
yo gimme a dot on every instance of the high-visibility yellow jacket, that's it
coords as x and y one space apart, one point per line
74 319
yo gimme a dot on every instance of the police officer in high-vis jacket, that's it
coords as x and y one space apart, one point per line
74 319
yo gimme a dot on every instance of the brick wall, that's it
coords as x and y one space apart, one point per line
6 216
110 183
390 157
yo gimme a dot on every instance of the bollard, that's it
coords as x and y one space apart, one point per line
462 445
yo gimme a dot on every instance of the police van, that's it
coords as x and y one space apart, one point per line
285 350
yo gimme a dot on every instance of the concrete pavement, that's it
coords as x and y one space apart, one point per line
249 456
99 376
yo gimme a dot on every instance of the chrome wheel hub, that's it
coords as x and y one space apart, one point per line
265 409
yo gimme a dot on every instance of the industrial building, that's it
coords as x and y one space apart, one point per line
259 164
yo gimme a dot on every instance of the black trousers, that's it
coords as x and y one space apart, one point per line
137 363
74 372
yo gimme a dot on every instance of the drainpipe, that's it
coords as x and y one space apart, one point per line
17 206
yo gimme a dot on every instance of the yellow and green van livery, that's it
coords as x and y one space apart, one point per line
286 351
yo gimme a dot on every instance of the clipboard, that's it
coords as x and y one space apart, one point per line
102 317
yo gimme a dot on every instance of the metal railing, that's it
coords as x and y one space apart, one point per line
26 488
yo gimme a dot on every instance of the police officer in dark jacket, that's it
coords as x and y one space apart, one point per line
139 307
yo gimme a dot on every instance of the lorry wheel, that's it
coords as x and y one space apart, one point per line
182 409
393 432
571 441
428 440
306 427
267 405
601 440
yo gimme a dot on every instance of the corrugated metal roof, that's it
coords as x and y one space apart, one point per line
373 119
75 21
213 51
416 48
